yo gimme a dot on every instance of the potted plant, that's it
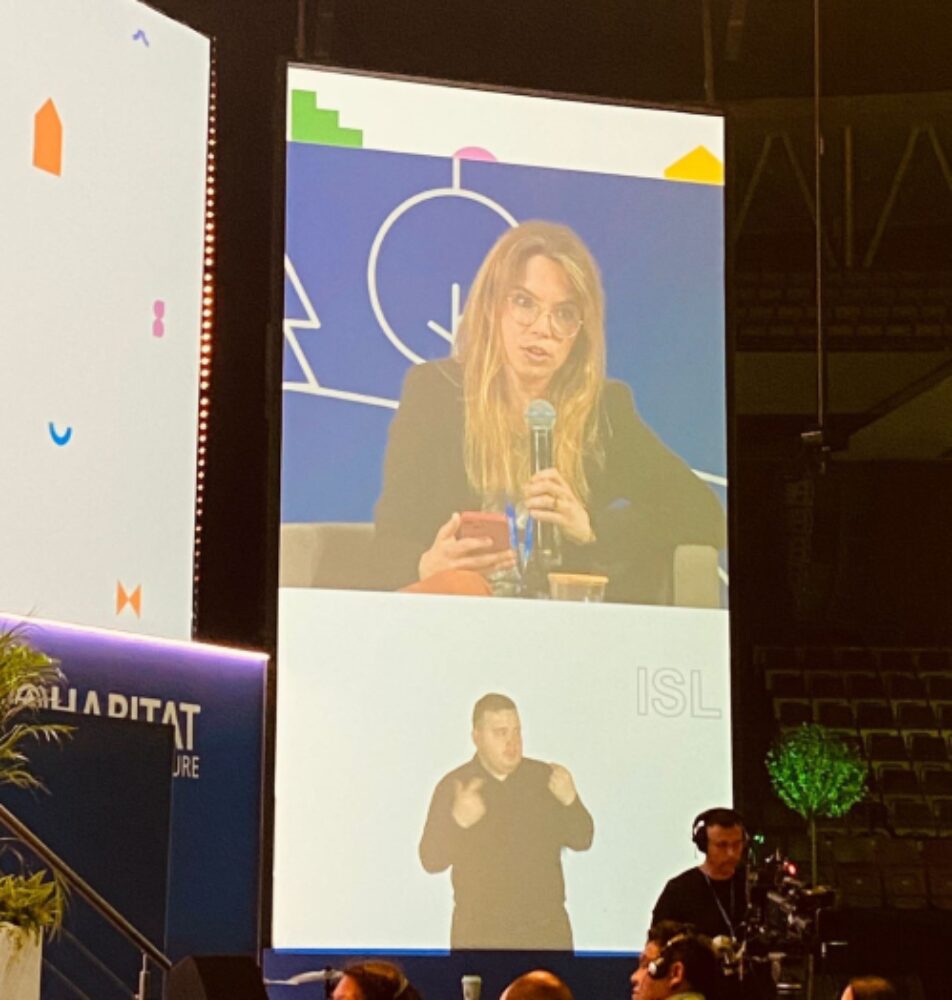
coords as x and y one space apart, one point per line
31 903
815 773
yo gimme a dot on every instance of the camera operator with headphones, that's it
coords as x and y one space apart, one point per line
712 897
676 963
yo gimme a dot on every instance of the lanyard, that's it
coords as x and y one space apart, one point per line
720 905
524 551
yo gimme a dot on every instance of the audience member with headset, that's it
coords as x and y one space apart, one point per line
374 981
676 962
712 896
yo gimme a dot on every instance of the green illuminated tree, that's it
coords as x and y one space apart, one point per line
816 773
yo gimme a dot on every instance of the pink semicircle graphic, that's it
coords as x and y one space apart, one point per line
474 153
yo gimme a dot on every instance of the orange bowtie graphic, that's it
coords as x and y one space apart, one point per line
123 598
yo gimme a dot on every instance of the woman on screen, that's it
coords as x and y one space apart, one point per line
620 500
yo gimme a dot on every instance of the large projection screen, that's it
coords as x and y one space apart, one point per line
398 191
104 120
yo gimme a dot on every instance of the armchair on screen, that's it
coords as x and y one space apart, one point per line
334 554
338 555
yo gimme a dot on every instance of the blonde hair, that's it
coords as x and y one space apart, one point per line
496 450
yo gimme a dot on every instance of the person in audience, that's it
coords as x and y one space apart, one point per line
500 822
869 988
537 985
659 935
712 896
374 981
676 962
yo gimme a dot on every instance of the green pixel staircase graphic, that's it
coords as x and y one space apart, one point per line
309 123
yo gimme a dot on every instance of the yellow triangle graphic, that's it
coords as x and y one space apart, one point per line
700 166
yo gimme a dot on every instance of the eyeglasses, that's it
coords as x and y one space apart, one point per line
565 319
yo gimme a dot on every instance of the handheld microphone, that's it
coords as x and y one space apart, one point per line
540 419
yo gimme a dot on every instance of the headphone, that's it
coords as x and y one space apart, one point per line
721 816
658 969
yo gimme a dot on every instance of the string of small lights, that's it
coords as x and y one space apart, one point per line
207 328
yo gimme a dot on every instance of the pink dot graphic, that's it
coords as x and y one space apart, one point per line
474 153
158 312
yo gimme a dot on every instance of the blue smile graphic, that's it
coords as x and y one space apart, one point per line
58 438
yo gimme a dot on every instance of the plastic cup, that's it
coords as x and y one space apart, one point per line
472 987
577 587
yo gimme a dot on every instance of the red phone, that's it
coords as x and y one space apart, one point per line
485 524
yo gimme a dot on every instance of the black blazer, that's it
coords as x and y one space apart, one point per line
644 500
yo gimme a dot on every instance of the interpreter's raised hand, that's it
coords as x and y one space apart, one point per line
450 552
468 805
549 498
561 784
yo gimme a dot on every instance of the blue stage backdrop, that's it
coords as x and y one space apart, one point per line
213 698
110 776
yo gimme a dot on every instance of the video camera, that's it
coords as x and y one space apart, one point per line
783 926
782 909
